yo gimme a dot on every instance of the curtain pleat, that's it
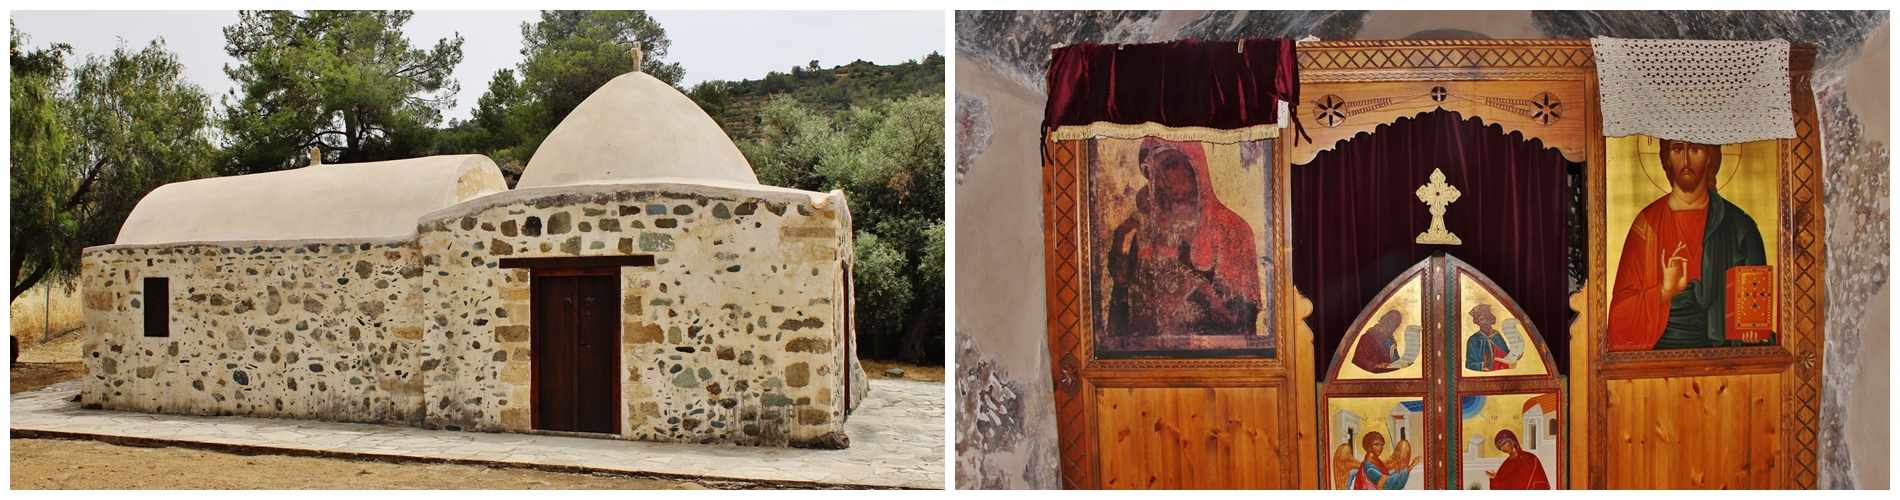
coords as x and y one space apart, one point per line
1355 213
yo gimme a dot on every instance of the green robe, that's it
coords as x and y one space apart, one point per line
1696 316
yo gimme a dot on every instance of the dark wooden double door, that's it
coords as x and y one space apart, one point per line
576 350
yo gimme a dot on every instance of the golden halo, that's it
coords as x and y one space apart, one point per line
1648 149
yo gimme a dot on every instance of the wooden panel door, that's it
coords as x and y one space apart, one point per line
1443 384
576 355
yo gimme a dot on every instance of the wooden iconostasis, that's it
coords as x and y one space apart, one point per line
1353 356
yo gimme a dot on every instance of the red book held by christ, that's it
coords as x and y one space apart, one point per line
1751 303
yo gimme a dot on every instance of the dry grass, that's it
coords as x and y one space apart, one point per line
46 361
29 314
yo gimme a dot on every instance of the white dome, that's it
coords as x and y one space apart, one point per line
635 128
379 199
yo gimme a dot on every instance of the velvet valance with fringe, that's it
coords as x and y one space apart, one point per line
1181 90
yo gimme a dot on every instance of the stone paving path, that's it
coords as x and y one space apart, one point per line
896 441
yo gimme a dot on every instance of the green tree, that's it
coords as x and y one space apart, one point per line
880 280
791 141
132 122
823 90
498 123
348 82
40 180
567 55
887 156
713 96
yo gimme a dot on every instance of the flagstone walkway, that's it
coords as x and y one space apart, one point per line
896 442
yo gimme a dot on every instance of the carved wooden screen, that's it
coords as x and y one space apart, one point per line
1543 89
1442 383
1138 406
1738 416
1636 413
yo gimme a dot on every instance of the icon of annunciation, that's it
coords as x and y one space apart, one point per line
1373 443
1510 441
1179 262
1692 240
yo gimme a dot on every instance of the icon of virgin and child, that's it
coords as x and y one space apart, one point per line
1182 265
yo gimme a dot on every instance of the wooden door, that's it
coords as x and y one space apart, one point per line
576 355
1442 384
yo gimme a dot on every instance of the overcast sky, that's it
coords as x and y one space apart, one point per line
711 45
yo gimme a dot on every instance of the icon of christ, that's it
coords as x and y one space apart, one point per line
1670 291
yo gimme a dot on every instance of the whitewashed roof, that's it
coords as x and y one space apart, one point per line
632 129
341 201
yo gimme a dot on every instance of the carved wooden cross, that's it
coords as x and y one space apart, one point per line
1437 195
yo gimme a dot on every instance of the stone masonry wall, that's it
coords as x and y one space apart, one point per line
734 336
303 329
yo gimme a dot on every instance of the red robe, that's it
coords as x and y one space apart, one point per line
1638 312
1377 350
1221 255
1224 243
1520 472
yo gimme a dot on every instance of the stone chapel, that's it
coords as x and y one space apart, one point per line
638 283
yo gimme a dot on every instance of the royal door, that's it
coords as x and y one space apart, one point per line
1442 384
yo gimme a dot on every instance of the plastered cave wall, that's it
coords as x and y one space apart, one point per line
734 336
1006 432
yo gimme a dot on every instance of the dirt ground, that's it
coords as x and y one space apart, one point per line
48 362
30 376
69 464
875 369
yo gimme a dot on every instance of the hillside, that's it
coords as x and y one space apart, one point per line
734 104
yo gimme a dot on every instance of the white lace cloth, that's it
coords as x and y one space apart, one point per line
1706 91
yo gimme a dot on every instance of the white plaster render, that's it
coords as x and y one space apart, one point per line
633 128
340 201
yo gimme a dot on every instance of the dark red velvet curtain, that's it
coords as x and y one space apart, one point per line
1184 83
1355 214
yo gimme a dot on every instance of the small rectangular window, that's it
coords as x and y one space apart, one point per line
158 307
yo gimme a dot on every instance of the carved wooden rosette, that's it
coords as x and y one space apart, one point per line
1530 86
